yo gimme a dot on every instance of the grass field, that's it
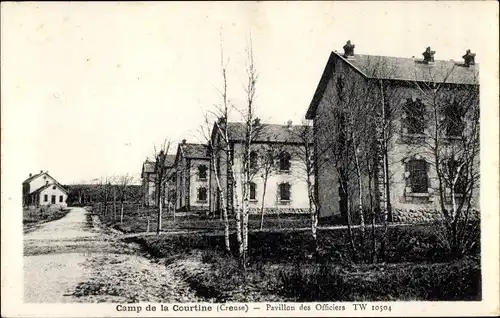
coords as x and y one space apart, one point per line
34 217
417 266
136 221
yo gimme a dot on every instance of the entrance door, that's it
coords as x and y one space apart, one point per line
53 199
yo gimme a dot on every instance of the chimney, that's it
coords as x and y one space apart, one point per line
41 171
349 49
289 124
183 141
428 55
469 58
31 175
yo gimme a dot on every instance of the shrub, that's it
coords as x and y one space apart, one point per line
443 281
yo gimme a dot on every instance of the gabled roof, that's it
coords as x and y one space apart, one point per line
33 177
149 166
397 69
27 181
48 186
270 133
190 150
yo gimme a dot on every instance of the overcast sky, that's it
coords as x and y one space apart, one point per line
89 88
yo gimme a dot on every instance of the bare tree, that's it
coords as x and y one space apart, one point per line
309 161
160 178
123 182
452 144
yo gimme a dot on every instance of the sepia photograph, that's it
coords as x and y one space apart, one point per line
249 158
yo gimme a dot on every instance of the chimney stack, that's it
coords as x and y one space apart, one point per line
349 49
469 58
428 55
183 141
31 175
41 171
289 123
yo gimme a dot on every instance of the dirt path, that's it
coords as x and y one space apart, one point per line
73 259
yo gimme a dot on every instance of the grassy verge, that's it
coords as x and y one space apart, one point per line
32 218
416 267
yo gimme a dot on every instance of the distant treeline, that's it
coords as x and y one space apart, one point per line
86 194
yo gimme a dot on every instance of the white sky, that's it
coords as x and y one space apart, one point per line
88 88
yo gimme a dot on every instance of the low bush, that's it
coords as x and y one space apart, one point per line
441 281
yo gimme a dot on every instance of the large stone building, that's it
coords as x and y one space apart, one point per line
43 189
277 167
192 170
420 110
149 182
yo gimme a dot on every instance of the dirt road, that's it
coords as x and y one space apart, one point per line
74 259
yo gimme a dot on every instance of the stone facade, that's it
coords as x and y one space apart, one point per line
403 146
266 187
192 174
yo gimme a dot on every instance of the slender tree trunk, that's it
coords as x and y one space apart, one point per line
239 237
263 198
349 231
121 212
360 195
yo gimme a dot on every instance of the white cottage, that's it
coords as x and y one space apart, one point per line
43 189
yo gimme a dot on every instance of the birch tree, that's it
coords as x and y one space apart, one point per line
160 178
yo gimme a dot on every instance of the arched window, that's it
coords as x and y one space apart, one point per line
284 161
202 172
253 192
202 194
253 160
414 111
284 192
419 181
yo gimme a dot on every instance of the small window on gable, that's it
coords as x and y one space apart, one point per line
284 191
53 187
419 181
253 189
202 194
414 121
202 172
284 161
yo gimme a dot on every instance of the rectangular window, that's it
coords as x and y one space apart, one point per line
202 172
202 194
252 191
45 198
61 198
418 176
415 122
284 189
454 122
53 199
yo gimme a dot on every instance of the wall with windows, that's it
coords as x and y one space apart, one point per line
413 178
198 184
53 195
286 186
